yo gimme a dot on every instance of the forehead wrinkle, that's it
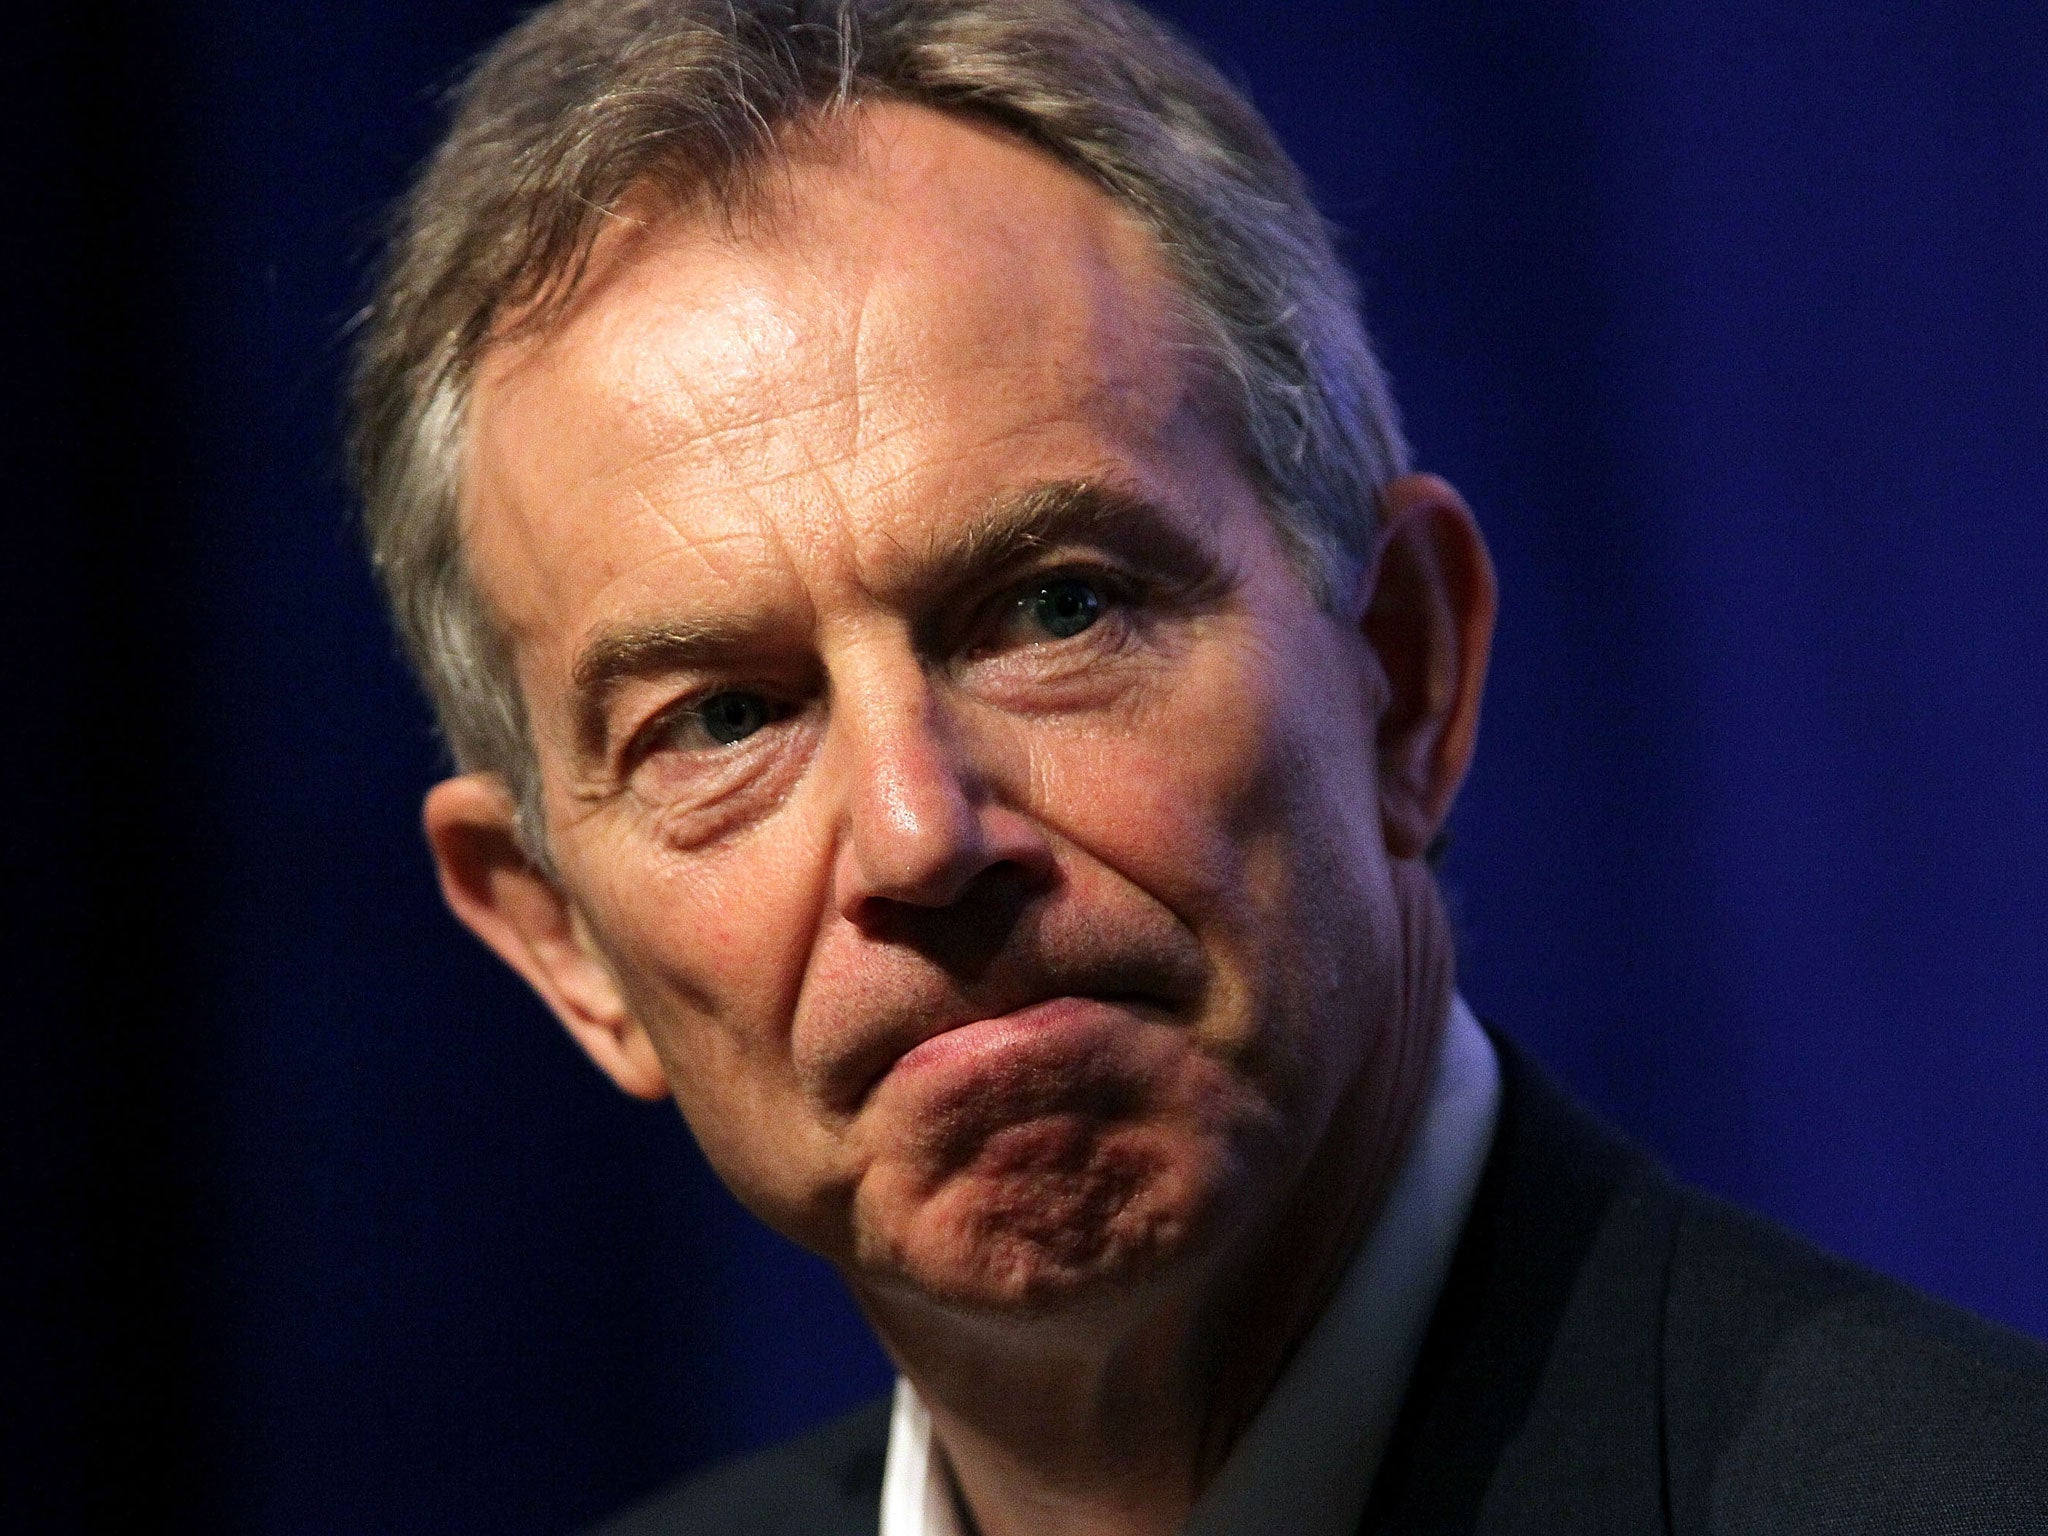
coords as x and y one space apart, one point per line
728 441
870 479
729 345
747 432
1099 372
705 548
806 219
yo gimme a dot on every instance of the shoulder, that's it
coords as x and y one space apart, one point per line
1801 1390
824 1483
1615 1353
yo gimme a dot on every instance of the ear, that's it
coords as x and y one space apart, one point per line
506 900
1428 614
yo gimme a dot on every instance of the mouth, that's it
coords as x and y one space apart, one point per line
962 1042
992 1043
1064 977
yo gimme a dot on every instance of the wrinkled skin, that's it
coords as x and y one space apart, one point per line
957 800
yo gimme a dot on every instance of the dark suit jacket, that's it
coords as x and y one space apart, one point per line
1612 1353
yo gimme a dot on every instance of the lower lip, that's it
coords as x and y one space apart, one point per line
1056 1027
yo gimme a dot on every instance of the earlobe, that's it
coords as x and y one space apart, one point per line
517 909
1428 616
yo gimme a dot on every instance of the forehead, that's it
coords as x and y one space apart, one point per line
917 304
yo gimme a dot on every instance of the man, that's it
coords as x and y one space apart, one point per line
956 685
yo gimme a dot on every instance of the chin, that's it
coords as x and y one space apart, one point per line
1049 1216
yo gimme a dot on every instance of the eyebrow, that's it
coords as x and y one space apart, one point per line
1020 524
618 656
1010 530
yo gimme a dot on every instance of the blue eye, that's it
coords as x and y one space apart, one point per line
731 717
1064 607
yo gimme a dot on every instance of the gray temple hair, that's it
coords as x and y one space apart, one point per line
588 101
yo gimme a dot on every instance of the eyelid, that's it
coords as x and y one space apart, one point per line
1118 587
640 744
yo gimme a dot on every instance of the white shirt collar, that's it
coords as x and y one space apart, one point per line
1307 1462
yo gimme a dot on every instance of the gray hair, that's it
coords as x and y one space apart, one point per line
587 101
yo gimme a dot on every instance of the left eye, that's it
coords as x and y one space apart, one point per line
733 716
1063 607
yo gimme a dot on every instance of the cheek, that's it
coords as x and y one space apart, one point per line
1244 799
1214 789
722 929
709 950
1164 795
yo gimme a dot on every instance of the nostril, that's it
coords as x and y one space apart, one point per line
925 872
964 934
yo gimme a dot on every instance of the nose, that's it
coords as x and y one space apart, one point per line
924 821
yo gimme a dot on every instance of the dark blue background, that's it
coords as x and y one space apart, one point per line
1732 320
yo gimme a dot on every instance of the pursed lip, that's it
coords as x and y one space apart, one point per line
921 1037
1021 1028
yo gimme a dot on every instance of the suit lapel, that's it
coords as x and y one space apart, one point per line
1534 1408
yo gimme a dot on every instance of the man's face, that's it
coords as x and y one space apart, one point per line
957 789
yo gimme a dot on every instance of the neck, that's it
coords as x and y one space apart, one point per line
1110 1421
